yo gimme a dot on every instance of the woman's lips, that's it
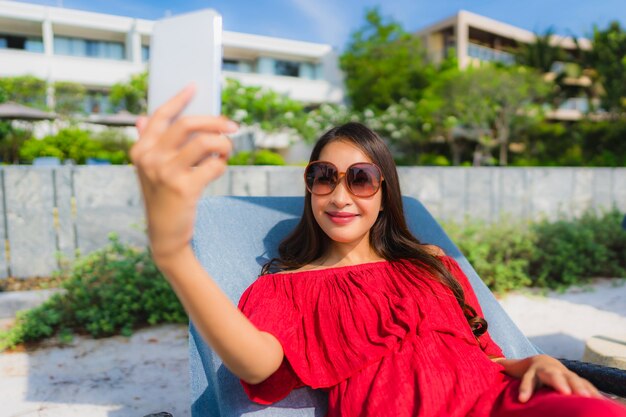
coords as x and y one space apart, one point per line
339 217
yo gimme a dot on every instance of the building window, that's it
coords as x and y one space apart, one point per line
97 102
145 53
237 65
88 48
230 65
24 43
287 68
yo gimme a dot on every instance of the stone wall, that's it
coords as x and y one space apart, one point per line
51 211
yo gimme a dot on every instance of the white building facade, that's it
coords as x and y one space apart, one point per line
98 50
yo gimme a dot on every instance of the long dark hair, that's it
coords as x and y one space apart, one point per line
390 237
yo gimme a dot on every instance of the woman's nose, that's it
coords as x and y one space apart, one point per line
341 195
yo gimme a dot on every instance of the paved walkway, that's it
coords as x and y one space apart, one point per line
132 377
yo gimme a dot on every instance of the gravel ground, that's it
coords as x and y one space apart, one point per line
120 377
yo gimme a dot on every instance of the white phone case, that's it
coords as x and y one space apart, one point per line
184 49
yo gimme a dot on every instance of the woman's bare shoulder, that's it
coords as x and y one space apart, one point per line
434 250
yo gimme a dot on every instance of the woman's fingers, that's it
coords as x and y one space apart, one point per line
594 391
181 130
208 170
152 155
152 129
164 115
200 147
581 386
527 386
558 381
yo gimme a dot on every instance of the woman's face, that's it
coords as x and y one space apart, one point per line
344 217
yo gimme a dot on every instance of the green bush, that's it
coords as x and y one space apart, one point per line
77 145
509 255
500 252
586 143
433 160
111 291
25 89
260 157
267 157
115 145
571 251
69 98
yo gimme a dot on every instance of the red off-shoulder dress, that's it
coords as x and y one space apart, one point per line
382 338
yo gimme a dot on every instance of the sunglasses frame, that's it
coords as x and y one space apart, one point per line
341 175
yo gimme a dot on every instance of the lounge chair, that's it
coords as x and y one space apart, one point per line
235 236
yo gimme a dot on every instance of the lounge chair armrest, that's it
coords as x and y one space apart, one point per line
606 379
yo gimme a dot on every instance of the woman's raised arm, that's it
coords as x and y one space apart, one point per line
176 158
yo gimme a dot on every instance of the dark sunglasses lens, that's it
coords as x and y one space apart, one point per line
321 178
363 179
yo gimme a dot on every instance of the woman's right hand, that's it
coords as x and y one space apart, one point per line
175 160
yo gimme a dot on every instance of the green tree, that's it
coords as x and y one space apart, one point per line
457 110
542 53
267 109
516 95
383 64
256 105
486 105
27 90
11 140
68 98
133 95
607 59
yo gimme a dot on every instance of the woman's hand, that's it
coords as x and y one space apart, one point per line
175 160
544 370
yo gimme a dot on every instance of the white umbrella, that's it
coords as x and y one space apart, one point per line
122 118
15 111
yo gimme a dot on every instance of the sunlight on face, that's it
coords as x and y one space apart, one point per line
344 217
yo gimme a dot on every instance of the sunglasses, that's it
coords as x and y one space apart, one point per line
363 179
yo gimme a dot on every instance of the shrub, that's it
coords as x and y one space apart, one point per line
25 89
111 291
77 145
571 251
433 160
509 255
500 252
260 157
267 157
69 98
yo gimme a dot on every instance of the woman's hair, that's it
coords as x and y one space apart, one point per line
390 237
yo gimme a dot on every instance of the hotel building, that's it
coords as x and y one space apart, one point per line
475 38
98 50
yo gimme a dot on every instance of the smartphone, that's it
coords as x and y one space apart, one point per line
184 49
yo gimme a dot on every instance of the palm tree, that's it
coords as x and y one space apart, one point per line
540 54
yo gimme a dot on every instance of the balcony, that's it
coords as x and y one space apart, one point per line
484 53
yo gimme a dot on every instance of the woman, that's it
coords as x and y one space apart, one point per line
358 307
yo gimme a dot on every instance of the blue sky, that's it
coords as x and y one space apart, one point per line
332 21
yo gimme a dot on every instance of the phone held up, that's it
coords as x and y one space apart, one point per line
187 49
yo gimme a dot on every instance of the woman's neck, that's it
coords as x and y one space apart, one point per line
353 253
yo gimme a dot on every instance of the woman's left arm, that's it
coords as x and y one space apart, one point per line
539 370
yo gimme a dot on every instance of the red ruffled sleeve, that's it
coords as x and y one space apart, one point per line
486 342
267 310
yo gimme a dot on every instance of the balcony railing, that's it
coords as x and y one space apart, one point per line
489 54
577 103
